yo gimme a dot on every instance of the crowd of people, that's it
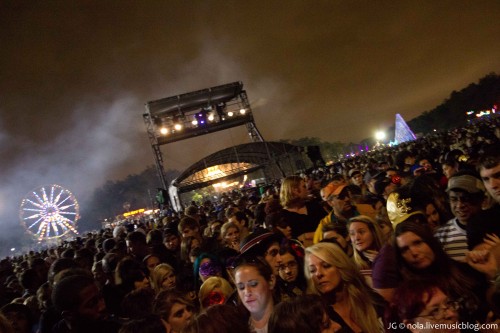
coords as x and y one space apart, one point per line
401 239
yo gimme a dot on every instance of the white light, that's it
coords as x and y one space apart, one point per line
379 135
242 111
13 249
163 130
178 127
194 122
230 113
211 117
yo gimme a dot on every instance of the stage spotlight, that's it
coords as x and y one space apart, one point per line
194 122
211 117
178 127
243 111
230 113
164 130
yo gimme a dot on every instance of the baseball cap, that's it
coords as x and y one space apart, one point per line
333 189
467 183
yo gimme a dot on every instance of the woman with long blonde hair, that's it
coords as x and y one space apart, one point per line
333 275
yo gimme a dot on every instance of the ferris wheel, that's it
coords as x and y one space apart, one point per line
49 212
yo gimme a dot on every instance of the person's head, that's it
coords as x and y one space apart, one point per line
230 233
174 308
163 278
78 299
419 302
466 196
187 245
263 244
450 167
218 318
327 269
148 324
302 314
291 269
150 262
188 227
130 275
338 197
255 282
136 244
489 170
19 316
206 265
356 177
276 222
293 191
171 239
240 219
432 215
215 290
339 233
416 247
365 234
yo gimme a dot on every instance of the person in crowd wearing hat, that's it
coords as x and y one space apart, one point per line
338 198
466 196
301 214
263 244
356 178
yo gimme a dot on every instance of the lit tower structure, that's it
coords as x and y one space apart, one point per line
197 113
402 132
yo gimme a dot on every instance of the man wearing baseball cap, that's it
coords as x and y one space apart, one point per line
466 196
338 198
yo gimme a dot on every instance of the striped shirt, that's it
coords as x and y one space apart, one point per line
453 238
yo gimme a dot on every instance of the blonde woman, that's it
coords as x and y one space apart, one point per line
163 278
367 240
215 290
299 213
333 275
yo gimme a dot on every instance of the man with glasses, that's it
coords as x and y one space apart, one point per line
466 196
338 198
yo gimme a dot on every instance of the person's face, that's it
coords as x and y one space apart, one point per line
426 164
133 247
391 173
342 202
326 277
169 281
301 190
357 179
92 306
151 263
289 268
414 250
144 283
215 228
232 236
285 230
438 310
448 170
195 243
491 181
432 216
273 257
187 232
361 236
462 206
338 237
386 230
172 242
254 290
180 314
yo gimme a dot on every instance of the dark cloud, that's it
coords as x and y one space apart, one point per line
75 75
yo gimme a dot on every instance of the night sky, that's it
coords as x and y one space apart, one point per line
75 75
